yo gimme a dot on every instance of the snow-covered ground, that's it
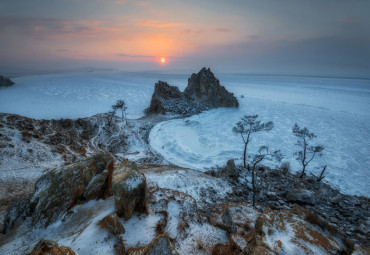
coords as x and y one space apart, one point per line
335 109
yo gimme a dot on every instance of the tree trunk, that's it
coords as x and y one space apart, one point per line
245 155
304 168
254 187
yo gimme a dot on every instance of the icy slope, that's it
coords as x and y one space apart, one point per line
336 110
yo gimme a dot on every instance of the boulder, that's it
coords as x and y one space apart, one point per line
292 232
230 170
112 223
128 187
301 197
5 82
203 92
206 87
57 191
160 245
47 247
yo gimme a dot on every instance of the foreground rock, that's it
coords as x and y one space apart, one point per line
47 247
294 231
160 245
128 187
59 190
203 92
5 82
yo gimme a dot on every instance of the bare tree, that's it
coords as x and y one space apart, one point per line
322 176
120 104
307 152
263 152
246 127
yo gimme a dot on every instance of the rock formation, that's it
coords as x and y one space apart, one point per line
128 186
58 190
203 92
5 82
206 87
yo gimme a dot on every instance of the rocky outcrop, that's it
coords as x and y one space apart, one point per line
128 187
294 231
47 247
5 82
203 92
59 190
206 87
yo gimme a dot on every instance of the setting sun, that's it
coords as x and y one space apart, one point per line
163 60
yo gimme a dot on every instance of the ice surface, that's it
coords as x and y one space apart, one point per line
75 95
336 110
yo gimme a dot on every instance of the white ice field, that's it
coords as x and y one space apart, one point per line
337 110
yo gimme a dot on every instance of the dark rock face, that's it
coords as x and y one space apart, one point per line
202 93
5 82
165 99
206 87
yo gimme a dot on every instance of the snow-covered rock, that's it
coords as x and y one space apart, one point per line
160 245
58 191
294 231
128 187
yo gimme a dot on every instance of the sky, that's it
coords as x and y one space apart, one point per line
318 37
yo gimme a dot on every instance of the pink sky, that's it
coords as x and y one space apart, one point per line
256 36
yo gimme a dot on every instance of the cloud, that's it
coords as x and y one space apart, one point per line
156 24
349 20
121 1
222 30
134 56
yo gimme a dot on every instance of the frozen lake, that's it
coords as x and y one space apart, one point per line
335 109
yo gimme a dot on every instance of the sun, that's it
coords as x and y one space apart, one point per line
163 60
